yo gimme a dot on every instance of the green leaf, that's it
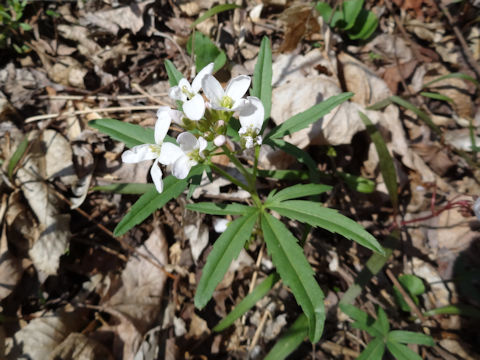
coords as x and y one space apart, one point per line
357 183
410 337
325 10
374 350
174 76
296 272
297 175
130 134
289 341
219 209
436 96
459 309
149 202
387 167
413 286
399 101
206 52
262 76
226 248
317 215
213 11
452 76
298 191
17 155
363 321
125 188
304 119
364 27
401 352
248 302
382 321
351 10
25 26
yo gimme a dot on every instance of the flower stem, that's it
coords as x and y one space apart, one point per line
229 177
239 165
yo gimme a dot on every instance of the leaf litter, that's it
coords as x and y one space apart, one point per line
69 289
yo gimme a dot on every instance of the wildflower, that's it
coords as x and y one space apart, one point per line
188 154
251 120
158 151
193 103
229 99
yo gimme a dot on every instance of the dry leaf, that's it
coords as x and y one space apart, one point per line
79 347
300 21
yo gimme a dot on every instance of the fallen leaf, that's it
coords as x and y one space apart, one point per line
79 347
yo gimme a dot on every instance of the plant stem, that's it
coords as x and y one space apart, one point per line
229 177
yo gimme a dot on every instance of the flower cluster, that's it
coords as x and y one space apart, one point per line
205 121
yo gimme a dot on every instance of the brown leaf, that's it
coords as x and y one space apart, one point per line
300 21
79 347
394 75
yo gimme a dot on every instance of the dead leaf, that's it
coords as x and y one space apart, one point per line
137 295
300 21
198 327
79 347
394 75
196 231
10 269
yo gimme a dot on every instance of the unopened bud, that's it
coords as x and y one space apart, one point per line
219 140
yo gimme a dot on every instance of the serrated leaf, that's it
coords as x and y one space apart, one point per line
248 302
382 321
386 164
206 52
226 248
374 350
317 215
295 271
213 11
262 76
402 352
410 337
289 341
219 209
174 76
149 202
17 155
125 188
298 191
304 119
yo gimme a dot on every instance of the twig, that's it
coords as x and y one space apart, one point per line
406 297
83 112
471 60
99 97
259 330
143 92
336 349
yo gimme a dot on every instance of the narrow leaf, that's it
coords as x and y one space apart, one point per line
291 340
374 350
298 191
402 352
130 134
296 272
365 26
125 188
459 309
304 119
363 321
437 96
262 76
219 209
284 174
387 167
226 248
174 76
17 155
317 215
407 105
357 183
248 302
452 76
213 11
149 202
382 321
410 337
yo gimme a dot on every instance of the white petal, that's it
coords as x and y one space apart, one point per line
238 86
194 108
220 140
182 166
197 82
239 104
253 114
156 174
202 144
177 117
220 224
170 152
187 141
163 123
212 89
176 93
138 153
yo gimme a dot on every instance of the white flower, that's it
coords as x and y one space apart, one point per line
229 99
188 154
159 151
220 224
251 120
193 103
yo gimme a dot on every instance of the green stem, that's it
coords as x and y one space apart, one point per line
255 162
229 177
240 167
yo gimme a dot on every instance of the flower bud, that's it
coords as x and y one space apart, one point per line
219 140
